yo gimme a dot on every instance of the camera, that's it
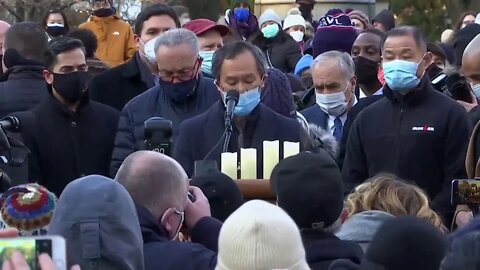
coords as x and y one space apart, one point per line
158 135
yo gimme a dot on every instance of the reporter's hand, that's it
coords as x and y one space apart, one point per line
18 262
463 218
198 209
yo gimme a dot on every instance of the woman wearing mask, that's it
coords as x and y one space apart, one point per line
281 50
240 19
55 23
295 26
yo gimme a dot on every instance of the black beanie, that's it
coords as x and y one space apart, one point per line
462 38
386 18
309 188
221 191
406 243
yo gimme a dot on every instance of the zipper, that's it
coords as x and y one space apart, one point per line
399 130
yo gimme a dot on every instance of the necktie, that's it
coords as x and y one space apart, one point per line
337 129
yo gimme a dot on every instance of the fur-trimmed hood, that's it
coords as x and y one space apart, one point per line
321 138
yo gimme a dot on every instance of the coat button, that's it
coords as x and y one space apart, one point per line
74 124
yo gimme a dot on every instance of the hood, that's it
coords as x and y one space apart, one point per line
323 139
362 226
103 229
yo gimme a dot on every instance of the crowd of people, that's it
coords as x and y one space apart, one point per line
385 120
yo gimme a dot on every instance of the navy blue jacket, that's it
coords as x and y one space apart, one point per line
24 89
162 254
200 134
316 116
420 137
154 102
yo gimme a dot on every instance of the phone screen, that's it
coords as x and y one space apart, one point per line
29 247
466 191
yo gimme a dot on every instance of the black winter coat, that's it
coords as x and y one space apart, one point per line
200 134
117 86
160 253
24 88
282 52
155 103
65 145
324 248
421 137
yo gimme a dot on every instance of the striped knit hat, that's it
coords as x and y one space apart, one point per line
27 208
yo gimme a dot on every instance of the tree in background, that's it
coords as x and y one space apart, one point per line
433 16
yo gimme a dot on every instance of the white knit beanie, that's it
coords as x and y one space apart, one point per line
259 236
269 15
293 20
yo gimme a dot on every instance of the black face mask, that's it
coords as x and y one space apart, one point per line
178 92
56 31
104 12
71 86
366 70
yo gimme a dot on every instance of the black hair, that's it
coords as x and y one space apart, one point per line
28 38
88 39
154 10
66 27
411 31
436 50
58 46
374 31
232 50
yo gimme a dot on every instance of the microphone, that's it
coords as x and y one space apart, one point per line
10 123
231 100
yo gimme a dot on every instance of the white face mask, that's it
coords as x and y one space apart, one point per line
476 89
333 104
297 36
149 50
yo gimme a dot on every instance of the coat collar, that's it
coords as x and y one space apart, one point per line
151 231
414 98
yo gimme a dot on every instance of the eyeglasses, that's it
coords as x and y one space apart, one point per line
182 75
182 218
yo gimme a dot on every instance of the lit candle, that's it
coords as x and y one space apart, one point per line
248 163
270 157
290 149
229 164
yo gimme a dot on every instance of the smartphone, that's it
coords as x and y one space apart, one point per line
466 192
31 247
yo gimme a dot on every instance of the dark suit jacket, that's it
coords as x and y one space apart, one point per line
352 114
117 86
316 116
200 134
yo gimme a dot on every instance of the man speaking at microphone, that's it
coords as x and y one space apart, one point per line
241 67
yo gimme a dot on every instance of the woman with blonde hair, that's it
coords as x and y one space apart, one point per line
381 198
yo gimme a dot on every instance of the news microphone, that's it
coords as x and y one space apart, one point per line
10 123
231 100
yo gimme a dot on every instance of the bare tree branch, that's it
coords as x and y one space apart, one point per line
11 10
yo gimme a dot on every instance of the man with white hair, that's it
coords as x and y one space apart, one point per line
334 79
183 92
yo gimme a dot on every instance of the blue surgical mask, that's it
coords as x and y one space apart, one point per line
247 102
207 57
241 14
401 75
476 89
271 30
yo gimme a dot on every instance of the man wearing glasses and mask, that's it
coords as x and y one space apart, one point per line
182 93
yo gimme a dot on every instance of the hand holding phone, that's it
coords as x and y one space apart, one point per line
198 209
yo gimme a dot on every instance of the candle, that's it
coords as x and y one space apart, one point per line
290 149
229 164
248 163
270 157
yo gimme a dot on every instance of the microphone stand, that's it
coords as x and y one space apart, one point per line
228 134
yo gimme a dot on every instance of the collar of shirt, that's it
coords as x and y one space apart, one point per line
343 117
379 92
